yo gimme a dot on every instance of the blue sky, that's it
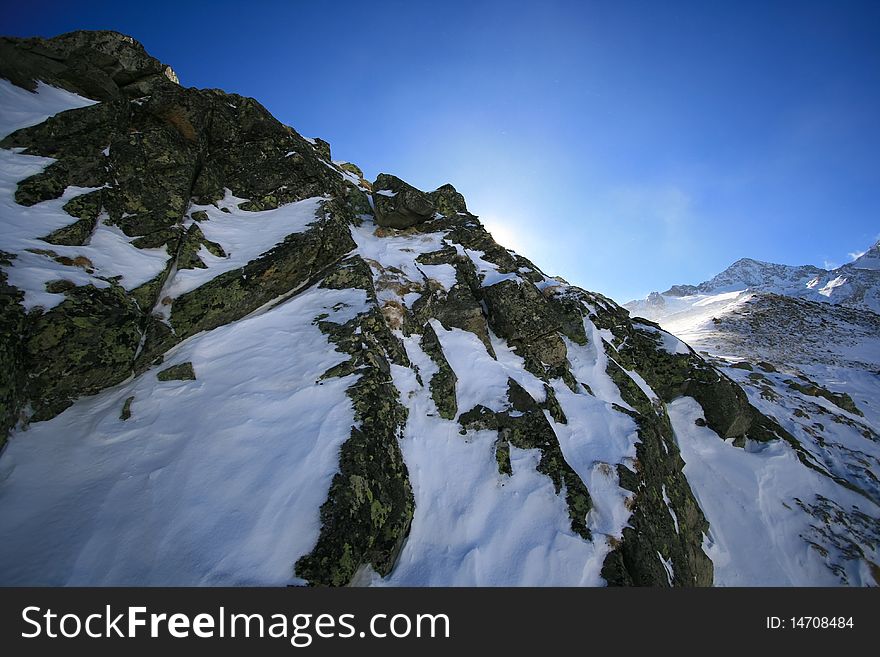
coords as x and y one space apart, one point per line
625 146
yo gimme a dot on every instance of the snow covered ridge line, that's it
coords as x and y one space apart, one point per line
855 285
367 390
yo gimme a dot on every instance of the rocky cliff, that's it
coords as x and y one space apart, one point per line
227 358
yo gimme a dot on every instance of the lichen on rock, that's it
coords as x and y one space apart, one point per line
180 372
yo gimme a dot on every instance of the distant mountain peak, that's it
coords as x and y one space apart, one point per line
870 259
856 284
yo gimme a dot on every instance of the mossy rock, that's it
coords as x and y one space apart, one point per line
370 505
81 346
351 168
125 414
840 399
60 286
448 201
442 384
502 457
13 355
181 372
651 528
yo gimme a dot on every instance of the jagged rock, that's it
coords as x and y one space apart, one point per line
841 400
100 65
299 258
369 508
443 382
448 201
87 207
398 204
352 168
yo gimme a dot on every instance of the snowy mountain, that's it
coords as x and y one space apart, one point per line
229 359
856 284
870 259
812 365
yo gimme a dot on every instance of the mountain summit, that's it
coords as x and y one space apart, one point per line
870 259
229 359
855 285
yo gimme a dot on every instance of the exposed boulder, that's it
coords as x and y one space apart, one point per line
398 204
448 201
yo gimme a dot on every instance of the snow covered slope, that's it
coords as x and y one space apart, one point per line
815 368
228 359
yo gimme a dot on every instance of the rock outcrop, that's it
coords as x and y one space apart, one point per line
398 204
454 334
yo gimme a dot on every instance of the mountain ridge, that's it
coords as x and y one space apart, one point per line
228 359
855 284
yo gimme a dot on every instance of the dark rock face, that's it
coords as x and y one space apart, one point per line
167 148
99 65
13 359
398 204
81 346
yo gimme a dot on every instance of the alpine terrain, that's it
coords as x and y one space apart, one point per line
804 343
228 359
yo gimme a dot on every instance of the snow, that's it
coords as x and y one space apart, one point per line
748 497
669 507
216 481
22 108
713 299
594 441
588 364
393 261
668 342
667 566
481 378
856 284
488 271
398 251
443 273
870 259
830 285
473 526
385 192
244 236
109 250
842 448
